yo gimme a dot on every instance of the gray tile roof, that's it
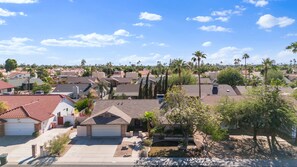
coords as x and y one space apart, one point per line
223 90
133 108
84 80
128 90
83 88
19 82
115 117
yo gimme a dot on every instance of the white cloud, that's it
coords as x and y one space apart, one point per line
2 22
19 1
207 44
203 19
88 40
291 35
222 19
215 28
228 54
7 13
268 21
258 3
161 44
19 46
285 54
224 13
141 24
140 36
152 58
150 16
121 32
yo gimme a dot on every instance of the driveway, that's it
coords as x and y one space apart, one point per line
19 148
99 151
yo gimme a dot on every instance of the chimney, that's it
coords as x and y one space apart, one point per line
215 89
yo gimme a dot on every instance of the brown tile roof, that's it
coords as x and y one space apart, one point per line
133 108
81 80
122 80
223 90
5 85
116 117
37 107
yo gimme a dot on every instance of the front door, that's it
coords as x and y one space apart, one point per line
60 121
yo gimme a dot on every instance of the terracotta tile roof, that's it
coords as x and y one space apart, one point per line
37 107
5 85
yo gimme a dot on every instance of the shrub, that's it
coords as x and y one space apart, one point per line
36 134
57 145
82 104
230 76
143 153
67 124
147 142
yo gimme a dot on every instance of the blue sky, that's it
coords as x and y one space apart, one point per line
125 31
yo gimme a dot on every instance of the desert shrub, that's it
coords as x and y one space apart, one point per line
147 142
143 153
57 145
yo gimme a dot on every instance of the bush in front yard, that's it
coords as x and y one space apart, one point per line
67 124
147 142
36 134
57 145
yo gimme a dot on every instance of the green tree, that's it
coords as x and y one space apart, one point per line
273 74
245 56
191 115
185 78
46 88
292 47
267 64
10 64
198 55
177 65
83 62
151 119
101 85
140 96
230 76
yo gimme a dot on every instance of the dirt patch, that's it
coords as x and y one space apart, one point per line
124 150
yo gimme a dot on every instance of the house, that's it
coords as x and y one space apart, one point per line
212 75
81 80
34 113
74 91
115 81
112 117
129 90
292 77
207 90
132 75
6 88
98 74
152 80
18 75
283 90
144 72
204 81
118 74
25 83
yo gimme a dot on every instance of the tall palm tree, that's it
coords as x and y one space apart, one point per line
267 64
198 55
292 47
178 64
237 61
102 85
245 56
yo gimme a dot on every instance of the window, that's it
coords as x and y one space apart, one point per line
9 90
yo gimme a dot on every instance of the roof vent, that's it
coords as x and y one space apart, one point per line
228 90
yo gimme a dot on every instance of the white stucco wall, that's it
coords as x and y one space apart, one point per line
66 108
81 131
22 120
2 91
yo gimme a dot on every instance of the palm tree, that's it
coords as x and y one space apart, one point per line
267 63
198 55
178 64
237 61
294 60
101 85
245 56
292 47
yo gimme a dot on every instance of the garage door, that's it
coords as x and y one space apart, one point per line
106 130
16 129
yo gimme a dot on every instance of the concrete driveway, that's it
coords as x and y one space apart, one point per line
86 150
19 147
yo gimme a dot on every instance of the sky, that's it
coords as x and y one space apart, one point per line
64 32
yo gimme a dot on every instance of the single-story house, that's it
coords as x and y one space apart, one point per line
119 74
130 90
115 81
25 83
27 114
98 74
206 90
133 75
204 81
283 90
6 88
112 117
74 91
17 75
81 80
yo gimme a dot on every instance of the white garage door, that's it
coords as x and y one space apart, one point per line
106 130
16 129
